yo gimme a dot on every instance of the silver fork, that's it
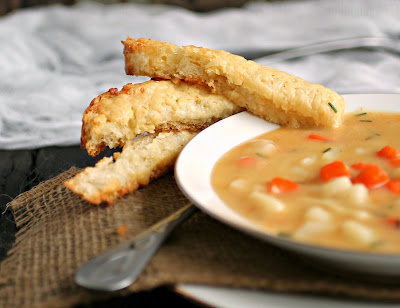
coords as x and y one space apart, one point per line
119 267
385 43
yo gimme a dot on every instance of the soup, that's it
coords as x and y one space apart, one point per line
337 188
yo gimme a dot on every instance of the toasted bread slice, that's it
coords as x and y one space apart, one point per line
267 92
140 161
115 117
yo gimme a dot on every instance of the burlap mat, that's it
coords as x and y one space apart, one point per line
59 232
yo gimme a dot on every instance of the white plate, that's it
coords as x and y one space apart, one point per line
239 298
194 180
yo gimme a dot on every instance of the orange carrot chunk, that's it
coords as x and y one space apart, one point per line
388 152
372 176
395 162
334 170
318 137
281 185
247 161
358 166
393 221
394 186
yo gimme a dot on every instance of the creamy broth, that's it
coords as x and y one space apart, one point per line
337 188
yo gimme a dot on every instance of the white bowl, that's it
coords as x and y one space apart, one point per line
193 175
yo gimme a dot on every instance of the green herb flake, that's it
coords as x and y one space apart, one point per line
372 136
284 234
360 114
260 155
333 107
365 120
327 150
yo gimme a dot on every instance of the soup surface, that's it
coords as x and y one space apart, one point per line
337 188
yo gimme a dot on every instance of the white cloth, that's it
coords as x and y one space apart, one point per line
54 60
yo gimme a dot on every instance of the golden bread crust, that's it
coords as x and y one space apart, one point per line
115 117
140 161
267 92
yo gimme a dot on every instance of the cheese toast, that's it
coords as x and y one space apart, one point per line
115 117
145 158
274 95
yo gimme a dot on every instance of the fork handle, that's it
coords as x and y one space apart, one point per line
343 44
120 267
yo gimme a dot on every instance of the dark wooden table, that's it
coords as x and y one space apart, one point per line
21 170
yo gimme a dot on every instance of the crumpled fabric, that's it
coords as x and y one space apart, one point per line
55 59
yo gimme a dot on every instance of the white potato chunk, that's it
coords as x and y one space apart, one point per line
311 229
300 174
275 190
299 170
336 187
361 214
357 194
267 203
318 214
329 156
264 147
359 150
357 232
333 205
239 184
307 161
